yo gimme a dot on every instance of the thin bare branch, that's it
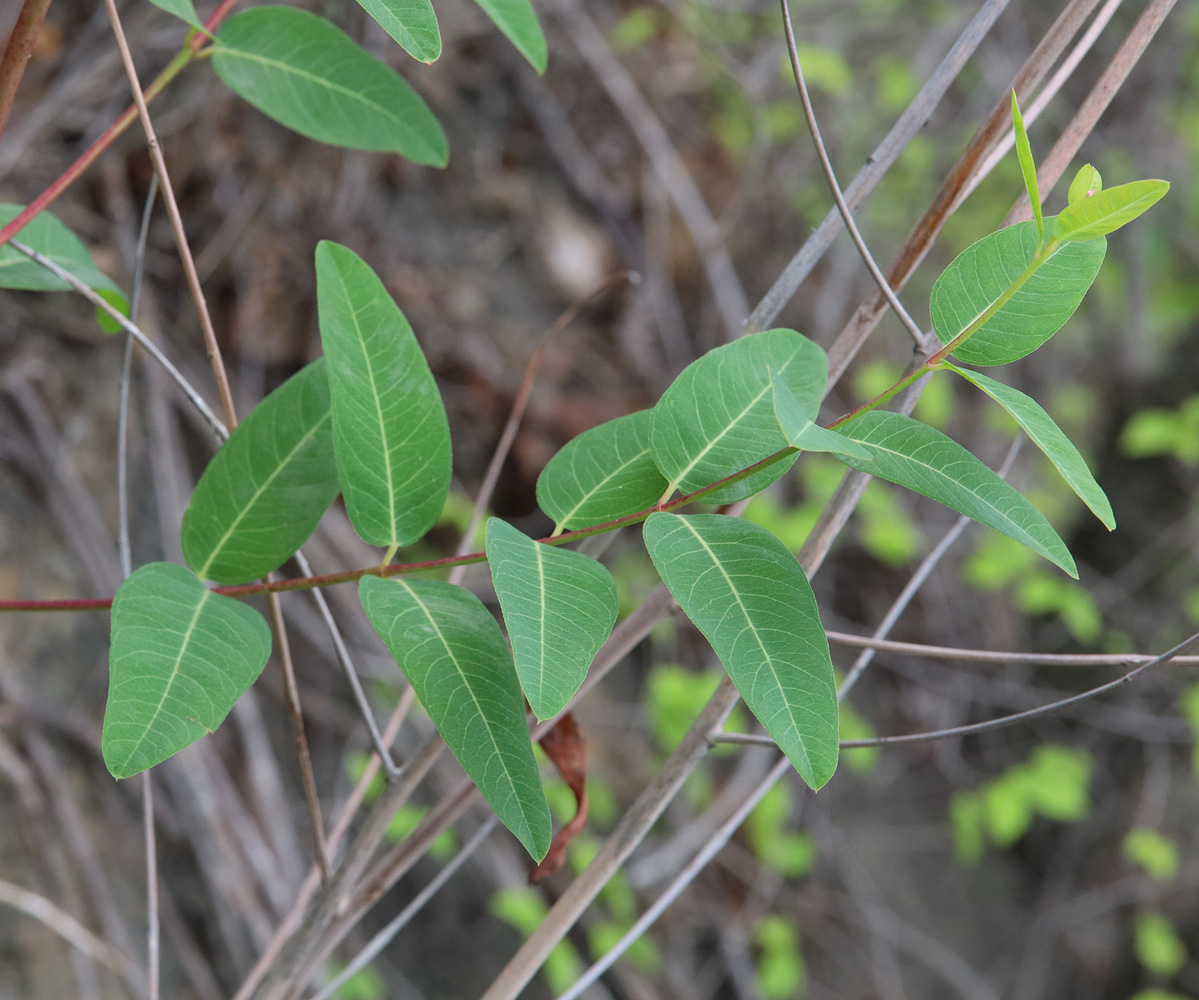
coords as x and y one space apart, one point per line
152 927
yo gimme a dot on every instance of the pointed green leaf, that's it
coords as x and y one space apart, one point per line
981 274
802 432
1107 210
559 607
1028 167
180 658
390 432
1050 438
1087 182
266 490
184 10
750 597
309 75
453 653
411 23
718 416
49 237
915 455
518 21
604 473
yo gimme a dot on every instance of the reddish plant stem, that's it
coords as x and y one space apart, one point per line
17 53
110 134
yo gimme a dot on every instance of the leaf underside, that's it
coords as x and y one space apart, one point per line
412 23
454 655
518 21
750 598
804 433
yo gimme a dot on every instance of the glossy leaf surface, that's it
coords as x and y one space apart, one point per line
310 76
1086 182
411 23
453 653
559 607
603 474
981 274
1028 168
912 454
750 598
180 658
518 21
390 432
1050 438
804 433
266 490
718 416
1107 210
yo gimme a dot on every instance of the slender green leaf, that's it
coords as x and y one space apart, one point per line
1107 210
1050 438
390 432
518 21
411 23
180 658
718 416
185 10
981 274
750 597
266 490
1028 167
559 607
804 433
915 455
453 653
309 75
1087 182
604 473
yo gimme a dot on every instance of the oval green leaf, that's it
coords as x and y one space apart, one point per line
603 474
718 416
750 598
266 490
454 655
1050 438
518 21
981 274
804 433
914 455
559 607
309 75
411 23
180 658
390 432
1087 182
1107 210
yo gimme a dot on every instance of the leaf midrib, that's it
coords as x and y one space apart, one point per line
565 522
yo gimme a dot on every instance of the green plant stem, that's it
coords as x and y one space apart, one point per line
887 394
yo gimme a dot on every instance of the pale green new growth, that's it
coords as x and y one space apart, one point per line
559 607
452 652
750 597
1107 210
1028 168
180 658
411 23
309 75
1087 182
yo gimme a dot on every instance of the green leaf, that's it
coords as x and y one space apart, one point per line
1107 210
984 272
1158 946
184 10
718 416
1158 855
180 658
914 455
1050 438
49 237
604 473
518 21
390 432
453 653
411 23
266 490
804 433
559 606
751 599
1087 182
310 76
1028 167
